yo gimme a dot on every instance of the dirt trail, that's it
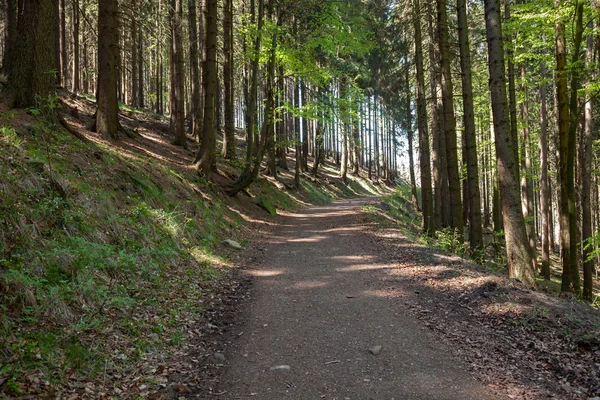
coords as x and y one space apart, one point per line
321 304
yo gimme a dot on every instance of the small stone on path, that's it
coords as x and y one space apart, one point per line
233 244
280 368
375 350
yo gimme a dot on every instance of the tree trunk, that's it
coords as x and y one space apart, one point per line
424 161
63 42
512 98
11 34
140 64
520 258
33 58
567 126
470 150
526 178
206 154
76 80
107 123
133 31
545 190
229 135
410 138
177 94
586 162
449 121
573 123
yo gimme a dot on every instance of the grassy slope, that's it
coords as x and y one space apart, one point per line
109 252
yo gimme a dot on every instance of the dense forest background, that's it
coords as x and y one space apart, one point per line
501 137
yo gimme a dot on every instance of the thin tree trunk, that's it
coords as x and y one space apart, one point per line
545 190
410 137
449 121
76 71
177 93
470 150
229 135
526 179
586 163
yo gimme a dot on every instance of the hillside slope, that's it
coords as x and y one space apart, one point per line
112 254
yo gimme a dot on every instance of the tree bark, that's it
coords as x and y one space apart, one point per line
470 150
567 126
229 135
194 67
545 190
449 121
585 161
424 160
206 154
520 258
33 57
177 94
107 123
76 80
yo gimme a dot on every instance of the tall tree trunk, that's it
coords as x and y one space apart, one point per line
449 121
470 150
526 178
206 154
133 31
586 163
424 161
520 258
567 125
436 156
140 64
34 54
410 138
107 114
57 53
177 93
229 135
76 70
298 164
356 144
281 148
512 97
545 190
63 42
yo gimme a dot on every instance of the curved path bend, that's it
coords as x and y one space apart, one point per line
321 310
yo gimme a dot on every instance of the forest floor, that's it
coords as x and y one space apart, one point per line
333 304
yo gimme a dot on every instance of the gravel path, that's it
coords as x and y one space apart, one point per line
322 309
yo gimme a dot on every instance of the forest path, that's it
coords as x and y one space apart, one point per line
321 305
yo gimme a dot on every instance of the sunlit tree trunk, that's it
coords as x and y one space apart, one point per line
470 150
520 258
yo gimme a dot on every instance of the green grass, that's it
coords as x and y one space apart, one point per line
91 238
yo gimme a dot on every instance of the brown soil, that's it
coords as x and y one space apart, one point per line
321 301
